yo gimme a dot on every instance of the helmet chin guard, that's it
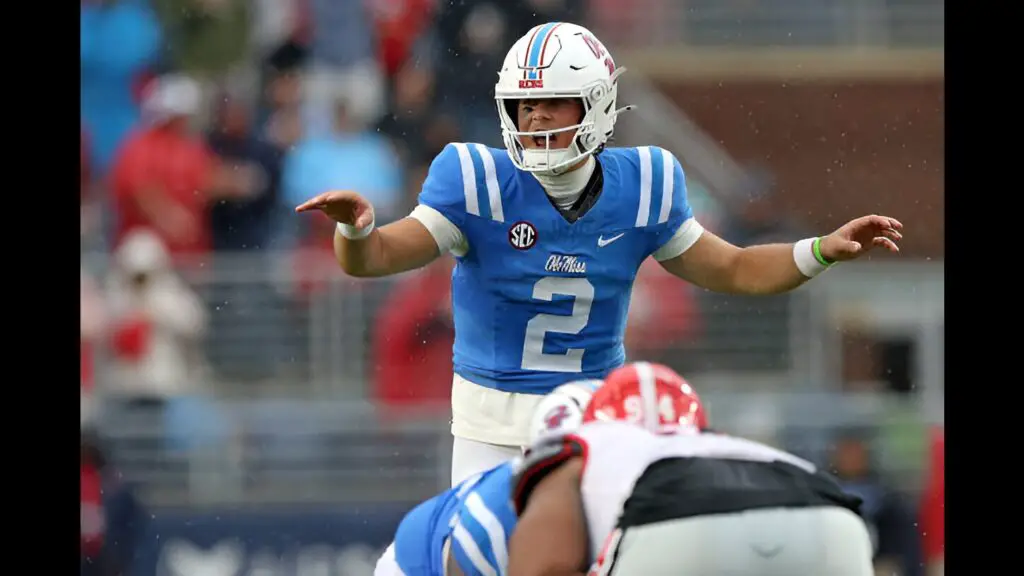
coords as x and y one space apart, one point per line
558 60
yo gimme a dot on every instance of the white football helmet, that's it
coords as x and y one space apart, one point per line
561 410
558 60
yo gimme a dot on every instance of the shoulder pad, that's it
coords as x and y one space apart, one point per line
539 461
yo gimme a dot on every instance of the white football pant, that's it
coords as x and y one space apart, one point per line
490 426
825 541
387 565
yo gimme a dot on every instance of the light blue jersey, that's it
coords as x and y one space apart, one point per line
539 301
476 515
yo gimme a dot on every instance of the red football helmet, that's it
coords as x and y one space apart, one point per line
651 395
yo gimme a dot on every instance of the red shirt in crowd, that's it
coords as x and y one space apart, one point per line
413 341
399 24
92 520
662 313
172 164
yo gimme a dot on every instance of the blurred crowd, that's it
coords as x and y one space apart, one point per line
204 122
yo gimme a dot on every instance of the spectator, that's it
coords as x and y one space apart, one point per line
662 314
890 519
120 47
933 506
164 175
91 327
398 24
112 518
207 37
156 323
347 158
90 198
276 23
279 113
415 128
243 221
412 349
343 63
245 224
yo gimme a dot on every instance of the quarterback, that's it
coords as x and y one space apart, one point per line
548 235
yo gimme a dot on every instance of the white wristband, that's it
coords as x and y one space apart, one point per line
352 233
803 255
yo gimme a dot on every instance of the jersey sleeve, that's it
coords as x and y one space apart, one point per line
540 460
676 229
442 205
482 526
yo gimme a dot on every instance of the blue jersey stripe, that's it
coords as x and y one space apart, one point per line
657 181
491 185
668 185
482 525
496 536
467 553
480 546
481 183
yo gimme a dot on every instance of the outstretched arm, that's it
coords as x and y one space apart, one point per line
432 229
719 266
687 250
398 247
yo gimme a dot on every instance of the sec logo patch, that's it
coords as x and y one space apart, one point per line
522 235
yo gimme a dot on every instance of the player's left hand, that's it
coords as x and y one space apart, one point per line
856 237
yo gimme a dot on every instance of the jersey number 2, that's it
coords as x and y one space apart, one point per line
534 357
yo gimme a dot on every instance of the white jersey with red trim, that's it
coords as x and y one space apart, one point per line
616 454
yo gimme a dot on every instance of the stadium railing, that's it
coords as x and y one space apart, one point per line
285 412
307 331
304 452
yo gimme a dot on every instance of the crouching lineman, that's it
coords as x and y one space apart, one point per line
643 488
464 531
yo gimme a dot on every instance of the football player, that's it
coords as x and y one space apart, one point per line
642 487
464 531
548 235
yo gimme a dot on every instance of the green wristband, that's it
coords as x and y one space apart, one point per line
816 248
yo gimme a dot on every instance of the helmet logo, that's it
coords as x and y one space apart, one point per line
527 84
556 417
599 52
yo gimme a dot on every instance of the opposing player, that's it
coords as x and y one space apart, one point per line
465 530
641 489
548 235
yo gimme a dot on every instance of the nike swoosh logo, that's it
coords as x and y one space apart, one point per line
602 242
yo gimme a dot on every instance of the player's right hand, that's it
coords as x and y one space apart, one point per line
344 206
